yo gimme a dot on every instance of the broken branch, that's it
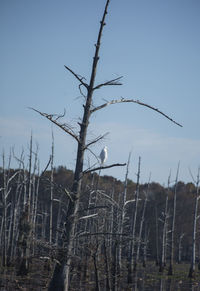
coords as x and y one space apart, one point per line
63 126
77 76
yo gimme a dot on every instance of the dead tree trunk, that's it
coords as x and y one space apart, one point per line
30 178
16 215
62 272
24 236
164 234
106 265
96 273
6 222
51 194
170 271
192 266
4 217
146 240
157 245
123 212
25 219
133 229
139 242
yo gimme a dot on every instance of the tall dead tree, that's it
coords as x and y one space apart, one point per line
60 280
51 194
164 220
133 227
4 216
170 271
156 226
195 218
139 240
25 221
30 177
123 211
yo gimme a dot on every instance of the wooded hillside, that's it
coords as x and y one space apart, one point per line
120 224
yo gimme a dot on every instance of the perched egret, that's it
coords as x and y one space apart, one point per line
104 155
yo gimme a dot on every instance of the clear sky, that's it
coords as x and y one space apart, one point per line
154 45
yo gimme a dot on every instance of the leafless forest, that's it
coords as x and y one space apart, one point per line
81 230
122 227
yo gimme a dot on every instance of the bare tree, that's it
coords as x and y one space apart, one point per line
139 240
133 227
60 280
26 219
51 193
156 226
7 205
195 218
170 271
164 220
123 210
30 177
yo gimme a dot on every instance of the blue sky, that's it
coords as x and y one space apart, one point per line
154 45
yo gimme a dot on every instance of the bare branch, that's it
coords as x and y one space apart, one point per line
81 90
98 138
96 157
77 76
192 175
122 100
43 172
113 82
109 198
89 216
69 194
103 168
63 126
94 207
59 115
103 233
12 177
21 159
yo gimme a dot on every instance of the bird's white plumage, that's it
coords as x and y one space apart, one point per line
104 155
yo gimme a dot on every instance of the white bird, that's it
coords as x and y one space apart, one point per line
104 155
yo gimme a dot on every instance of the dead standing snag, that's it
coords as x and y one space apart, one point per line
60 280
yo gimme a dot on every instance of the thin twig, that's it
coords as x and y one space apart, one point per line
98 138
84 96
96 157
113 82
